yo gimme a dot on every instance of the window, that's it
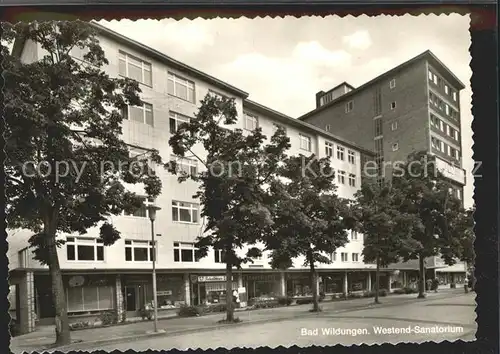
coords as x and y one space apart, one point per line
328 149
185 252
453 152
343 256
395 147
435 143
434 121
305 142
394 126
89 298
84 249
184 212
355 257
176 120
135 68
446 89
447 109
351 157
441 126
393 105
354 235
138 251
141 212
348 106
392 84
140 114
186 166
340 153
455 135
378 126
454 95
328 127
333 257
431 75
251 121
352 180
341 177
219 256
180 87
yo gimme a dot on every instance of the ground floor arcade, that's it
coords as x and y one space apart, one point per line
88 294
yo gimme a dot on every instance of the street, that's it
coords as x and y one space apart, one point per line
454 317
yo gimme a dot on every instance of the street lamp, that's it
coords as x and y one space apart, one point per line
152 209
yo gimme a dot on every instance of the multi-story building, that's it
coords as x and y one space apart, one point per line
118 277
412 107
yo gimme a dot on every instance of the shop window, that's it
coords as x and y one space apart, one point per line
84 249
90 297
185 252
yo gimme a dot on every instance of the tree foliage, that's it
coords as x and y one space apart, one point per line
232 184
310 220
63 131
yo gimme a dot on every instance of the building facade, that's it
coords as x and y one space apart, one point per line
100 278
412 107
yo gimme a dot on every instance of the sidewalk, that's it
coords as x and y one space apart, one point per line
44 337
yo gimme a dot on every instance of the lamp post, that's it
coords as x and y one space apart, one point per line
152 216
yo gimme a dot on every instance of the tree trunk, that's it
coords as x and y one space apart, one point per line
377 281
229 293
421 279
314 283
63 335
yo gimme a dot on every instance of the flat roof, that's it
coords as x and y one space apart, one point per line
301 124
167 60
427 55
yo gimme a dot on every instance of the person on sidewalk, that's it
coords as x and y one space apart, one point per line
435 284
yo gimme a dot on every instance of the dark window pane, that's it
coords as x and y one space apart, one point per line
128 242
70 249
185 215
173 126
217 260
151 255
140 254
128 254
187 255
176 255
86 253
100 253
195 215
223 257
175 214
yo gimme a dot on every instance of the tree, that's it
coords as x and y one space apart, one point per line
63 146
232 190
385 229
424 193
310 220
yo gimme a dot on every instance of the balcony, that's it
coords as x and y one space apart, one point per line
450 171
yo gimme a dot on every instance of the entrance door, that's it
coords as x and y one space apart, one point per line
130 296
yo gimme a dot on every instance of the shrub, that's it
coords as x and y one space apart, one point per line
382 292
400 291
108 318
217 308
410 290
284 300
79 325
189 311
146 313
304 301
266 304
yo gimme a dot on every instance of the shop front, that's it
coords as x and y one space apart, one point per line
262 285
137 291
332 283
210 289
298 284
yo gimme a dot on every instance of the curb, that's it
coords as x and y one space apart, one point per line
92 344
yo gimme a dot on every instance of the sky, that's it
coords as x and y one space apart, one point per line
283 62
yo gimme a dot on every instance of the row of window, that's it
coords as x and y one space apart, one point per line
329 149
445 128
439 82
141 71
344 257
445 148
184 212
445 108
91 249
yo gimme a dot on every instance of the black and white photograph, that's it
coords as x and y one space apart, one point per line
239 183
